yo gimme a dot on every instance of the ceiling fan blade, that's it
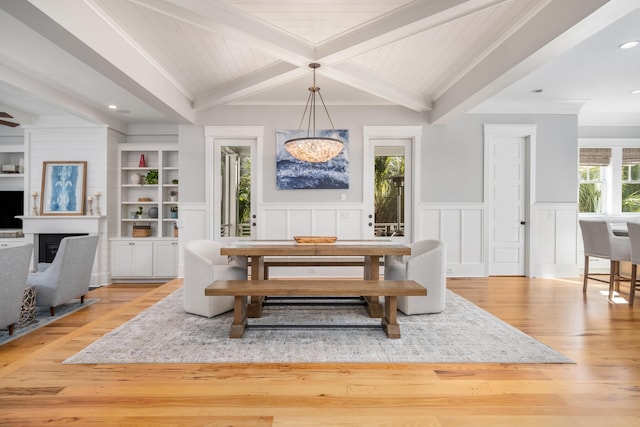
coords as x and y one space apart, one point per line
6 123
6 115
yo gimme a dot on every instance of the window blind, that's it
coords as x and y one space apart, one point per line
595 156
631 156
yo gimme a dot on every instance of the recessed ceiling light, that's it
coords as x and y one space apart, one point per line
113 107
629 44
635 92
537 91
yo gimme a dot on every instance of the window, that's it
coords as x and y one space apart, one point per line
630 180
593 161
609 180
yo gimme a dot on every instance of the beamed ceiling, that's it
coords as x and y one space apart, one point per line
169 60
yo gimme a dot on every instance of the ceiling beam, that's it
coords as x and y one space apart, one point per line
361 78
227 22
556 28
80 29
401 23
47 93
266 78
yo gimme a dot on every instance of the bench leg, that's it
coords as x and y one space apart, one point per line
239 317
372 272
390 319
255 308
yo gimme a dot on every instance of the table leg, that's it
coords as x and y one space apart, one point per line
257 273
390 319
372 272
239 317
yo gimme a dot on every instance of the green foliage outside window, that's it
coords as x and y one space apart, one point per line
590 194
385 195
631 188
244 191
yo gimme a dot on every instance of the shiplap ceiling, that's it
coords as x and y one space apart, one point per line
169 60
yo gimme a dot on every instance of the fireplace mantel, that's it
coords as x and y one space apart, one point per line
54 224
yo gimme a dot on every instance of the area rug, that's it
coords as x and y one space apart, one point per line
43 318
463 333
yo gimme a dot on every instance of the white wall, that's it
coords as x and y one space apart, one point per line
75 141
450 205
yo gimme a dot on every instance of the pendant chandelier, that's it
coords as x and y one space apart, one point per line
314 148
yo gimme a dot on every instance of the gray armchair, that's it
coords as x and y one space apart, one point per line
202 265
14 268
427 265
68 276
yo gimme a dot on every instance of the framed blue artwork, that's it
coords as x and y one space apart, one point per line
294 174
63 188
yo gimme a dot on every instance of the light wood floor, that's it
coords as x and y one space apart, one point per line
601 389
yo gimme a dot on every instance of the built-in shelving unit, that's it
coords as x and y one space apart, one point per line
154 256
135 192
12 179
12 156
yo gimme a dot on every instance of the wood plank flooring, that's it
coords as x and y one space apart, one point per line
601 389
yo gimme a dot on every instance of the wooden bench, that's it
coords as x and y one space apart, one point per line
311 262
389 289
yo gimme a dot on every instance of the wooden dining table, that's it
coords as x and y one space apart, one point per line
370 250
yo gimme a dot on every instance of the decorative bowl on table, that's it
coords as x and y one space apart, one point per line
312 240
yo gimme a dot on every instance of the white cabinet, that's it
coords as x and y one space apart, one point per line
157 197
144 258
131 258
165 258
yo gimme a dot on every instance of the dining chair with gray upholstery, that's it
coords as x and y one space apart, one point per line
634 238
600 242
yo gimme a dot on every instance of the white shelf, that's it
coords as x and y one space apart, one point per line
164 159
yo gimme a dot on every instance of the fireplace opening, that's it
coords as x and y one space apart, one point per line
48 245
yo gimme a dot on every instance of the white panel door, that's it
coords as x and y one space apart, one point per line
507 206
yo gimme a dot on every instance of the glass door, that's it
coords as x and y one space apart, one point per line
390 189
234 190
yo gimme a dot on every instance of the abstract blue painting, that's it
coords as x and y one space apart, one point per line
294 174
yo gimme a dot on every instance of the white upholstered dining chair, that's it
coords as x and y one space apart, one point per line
600 242
427 265
202 265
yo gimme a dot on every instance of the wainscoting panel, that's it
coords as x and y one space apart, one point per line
273 225
325 222
282 222
195 215
300 222
351 223
556 251
462 228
